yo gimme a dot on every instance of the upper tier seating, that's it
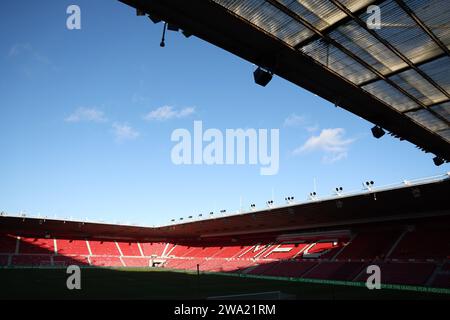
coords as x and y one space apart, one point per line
285 251
181 250
255 251
129 249
72 247
99 248
153 249
7 243
424 244
230 251
204 252
36 246
369 245
320 250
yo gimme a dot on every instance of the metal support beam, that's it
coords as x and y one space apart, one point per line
393 73
361 61
423 26
399 54
336 25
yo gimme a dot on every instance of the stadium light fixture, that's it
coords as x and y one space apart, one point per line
368 185
253 207
438 161
289 200
377 132
312 195
270 203
262 77
339 191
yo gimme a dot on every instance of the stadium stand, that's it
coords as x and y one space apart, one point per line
286 251
108 248
63 261
7 244
293 269
106 261
424 243
150 249
31 260
369 245
404 273
441 281
72 247
412 251
4 260
344 271
36 246
311 259
136 262
129 249
230 251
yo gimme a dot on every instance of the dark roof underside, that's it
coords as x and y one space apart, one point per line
408 203
397 77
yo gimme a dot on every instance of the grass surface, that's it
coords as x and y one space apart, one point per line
162 284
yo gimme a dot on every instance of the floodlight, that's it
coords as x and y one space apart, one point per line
377 132
262 77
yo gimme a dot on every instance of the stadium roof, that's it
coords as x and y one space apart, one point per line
412 200
397 77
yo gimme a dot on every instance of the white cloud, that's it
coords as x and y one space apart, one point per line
313 128
294 120
27 50
19 48
331 142
167 113
124 132
86 115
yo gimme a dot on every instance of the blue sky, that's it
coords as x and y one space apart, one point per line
87 117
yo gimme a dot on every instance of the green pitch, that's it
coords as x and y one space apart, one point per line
162 284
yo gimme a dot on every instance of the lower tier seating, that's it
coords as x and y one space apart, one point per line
339 259
403 273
